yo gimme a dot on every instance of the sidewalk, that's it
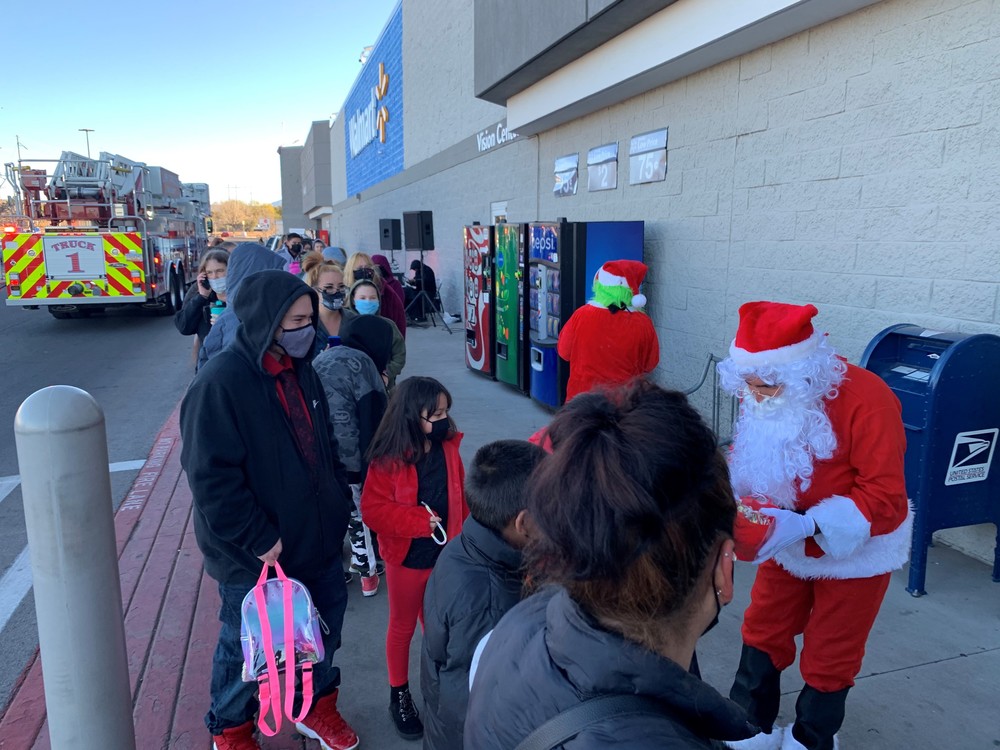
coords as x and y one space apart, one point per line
929 680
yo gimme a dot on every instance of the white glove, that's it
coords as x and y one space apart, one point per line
789 527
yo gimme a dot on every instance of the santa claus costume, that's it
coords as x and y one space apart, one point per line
821 442
610 340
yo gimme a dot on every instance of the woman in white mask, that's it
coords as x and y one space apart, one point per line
195 316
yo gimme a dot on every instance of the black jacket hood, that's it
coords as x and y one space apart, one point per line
371 335
264 299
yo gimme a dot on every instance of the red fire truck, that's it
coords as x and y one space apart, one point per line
101 232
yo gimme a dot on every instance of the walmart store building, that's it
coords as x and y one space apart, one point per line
839 152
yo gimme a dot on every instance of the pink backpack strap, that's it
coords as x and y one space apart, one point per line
290 658
270 702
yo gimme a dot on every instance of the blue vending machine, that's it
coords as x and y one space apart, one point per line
563 258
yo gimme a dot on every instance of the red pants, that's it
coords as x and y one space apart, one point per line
834 617
406 605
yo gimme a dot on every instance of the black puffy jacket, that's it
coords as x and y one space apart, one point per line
475 581
250 483
547 655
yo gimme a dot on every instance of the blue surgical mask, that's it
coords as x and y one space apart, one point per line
218 285
366 306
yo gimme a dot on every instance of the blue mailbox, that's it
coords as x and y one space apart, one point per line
947 383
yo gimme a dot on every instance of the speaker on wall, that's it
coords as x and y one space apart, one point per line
389 236
418 230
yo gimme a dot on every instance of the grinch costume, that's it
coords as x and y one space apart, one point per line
610 340
841 518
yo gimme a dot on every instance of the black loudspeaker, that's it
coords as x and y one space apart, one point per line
418 230
389 237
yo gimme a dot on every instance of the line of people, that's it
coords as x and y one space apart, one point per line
548 579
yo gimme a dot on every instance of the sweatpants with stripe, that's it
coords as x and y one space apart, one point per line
363 556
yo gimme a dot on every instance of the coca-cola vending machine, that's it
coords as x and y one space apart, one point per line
479 300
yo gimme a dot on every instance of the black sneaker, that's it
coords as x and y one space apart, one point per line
348 576
404 714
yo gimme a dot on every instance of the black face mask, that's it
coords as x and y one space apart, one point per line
718 611
332 300
718 604
364 273
294 250
439 430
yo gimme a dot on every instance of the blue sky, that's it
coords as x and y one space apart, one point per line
206 89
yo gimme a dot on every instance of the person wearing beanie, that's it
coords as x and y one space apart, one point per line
610 340
818 447
354 381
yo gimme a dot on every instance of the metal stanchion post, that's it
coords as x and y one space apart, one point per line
63 458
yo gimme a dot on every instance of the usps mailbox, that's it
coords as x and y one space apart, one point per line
949 386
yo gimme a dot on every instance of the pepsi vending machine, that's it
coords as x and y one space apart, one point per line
479 299
563 258
510 285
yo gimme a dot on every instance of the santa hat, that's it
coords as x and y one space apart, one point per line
624 273
773 333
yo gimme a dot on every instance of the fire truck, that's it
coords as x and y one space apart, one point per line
101 232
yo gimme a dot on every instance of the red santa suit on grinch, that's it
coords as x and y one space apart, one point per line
822 441
610 340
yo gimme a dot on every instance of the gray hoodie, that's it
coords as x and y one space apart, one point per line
245 259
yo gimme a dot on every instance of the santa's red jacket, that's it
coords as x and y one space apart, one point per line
858 496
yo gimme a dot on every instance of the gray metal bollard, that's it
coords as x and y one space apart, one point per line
62 452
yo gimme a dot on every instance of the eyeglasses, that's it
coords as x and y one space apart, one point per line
766 390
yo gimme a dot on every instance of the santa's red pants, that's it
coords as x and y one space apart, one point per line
834 616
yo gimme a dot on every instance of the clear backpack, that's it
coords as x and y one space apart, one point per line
277 612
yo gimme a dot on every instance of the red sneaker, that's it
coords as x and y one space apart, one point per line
236 738
369 585
324 723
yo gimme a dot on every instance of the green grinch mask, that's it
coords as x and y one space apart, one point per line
606 296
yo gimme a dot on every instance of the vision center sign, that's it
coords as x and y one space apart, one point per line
373 112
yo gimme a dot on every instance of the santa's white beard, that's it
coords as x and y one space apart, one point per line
775 444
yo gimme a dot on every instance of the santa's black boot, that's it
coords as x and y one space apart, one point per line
818 717
757 688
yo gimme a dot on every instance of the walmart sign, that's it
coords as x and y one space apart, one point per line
373 112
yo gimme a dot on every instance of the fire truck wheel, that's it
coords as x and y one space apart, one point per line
66 312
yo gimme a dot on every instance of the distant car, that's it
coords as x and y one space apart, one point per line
273 243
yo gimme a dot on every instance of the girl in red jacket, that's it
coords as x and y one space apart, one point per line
414 500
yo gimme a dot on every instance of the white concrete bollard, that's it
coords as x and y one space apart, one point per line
62 452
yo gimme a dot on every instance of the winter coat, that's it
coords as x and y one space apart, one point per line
193 317
475 581
606 348
393 311
546 655
390 506
245 259
357 399
398 359
250 483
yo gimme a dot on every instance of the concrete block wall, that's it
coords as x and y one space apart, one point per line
441 108
853 166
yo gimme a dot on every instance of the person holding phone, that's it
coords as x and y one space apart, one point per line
194 318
